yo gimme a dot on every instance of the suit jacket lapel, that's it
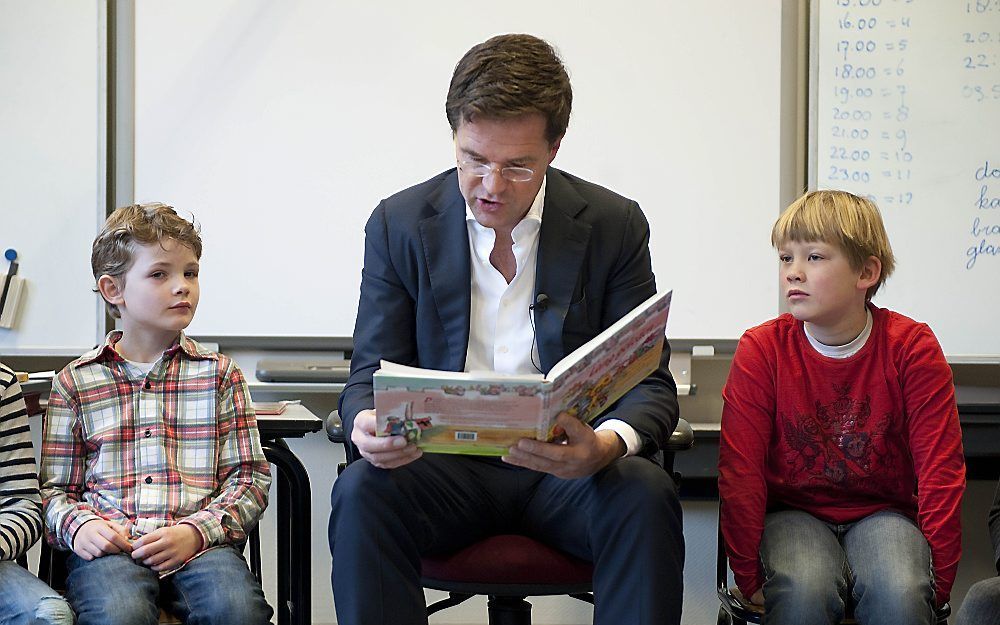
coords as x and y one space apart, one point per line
562 246
444 237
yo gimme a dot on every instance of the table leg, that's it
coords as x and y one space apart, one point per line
294 511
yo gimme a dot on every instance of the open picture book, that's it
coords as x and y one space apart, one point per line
484 413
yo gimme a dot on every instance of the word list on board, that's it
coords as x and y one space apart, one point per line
908 114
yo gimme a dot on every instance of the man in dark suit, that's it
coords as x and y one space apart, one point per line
508 264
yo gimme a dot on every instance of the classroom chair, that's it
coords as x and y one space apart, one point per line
52 570
507 568
735 611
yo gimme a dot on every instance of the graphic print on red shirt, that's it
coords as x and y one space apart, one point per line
840 444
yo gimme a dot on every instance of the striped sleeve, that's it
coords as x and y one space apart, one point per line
20 503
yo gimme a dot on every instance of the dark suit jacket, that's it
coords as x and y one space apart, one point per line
593 263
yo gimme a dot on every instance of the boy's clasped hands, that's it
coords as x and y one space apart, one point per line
161 550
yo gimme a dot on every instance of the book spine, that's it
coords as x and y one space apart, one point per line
544 418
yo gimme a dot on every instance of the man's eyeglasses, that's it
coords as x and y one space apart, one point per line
481 170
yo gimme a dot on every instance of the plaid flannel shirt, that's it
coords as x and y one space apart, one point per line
177 445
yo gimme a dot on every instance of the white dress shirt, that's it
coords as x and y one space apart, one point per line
501 334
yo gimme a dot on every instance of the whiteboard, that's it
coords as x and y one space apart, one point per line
52 168
906 110
280 126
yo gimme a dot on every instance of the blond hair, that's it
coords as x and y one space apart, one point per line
839 218
138 224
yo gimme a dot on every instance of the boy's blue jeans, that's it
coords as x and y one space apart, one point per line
214 588
881 564
981 605
27 600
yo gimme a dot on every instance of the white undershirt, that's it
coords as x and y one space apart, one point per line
501 337
143 367
846 350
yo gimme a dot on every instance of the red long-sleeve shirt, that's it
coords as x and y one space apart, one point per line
841 438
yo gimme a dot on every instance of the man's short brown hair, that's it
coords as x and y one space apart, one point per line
138 224
507 76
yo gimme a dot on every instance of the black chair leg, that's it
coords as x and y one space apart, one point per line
508 611
255 566
453 599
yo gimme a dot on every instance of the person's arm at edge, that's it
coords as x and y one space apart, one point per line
994 524
936 447
20 503
747 422
243 473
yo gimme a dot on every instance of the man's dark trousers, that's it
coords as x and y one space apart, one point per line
626 519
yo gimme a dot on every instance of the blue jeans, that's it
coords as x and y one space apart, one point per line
27 600
813 570
215 588
982 605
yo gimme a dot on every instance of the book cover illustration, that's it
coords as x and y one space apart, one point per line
586 387
484 413
455 416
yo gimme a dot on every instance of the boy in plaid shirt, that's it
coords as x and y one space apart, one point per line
152 469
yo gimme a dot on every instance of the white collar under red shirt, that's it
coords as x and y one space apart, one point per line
848 349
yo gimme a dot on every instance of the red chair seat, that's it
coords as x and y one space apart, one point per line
509 559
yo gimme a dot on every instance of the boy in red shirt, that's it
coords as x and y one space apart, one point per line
840 467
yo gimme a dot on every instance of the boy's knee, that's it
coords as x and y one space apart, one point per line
981 603
899 595
135 612
226 608
986 590
805 585
53 610
805 590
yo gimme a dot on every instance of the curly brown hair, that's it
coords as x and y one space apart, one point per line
138 224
